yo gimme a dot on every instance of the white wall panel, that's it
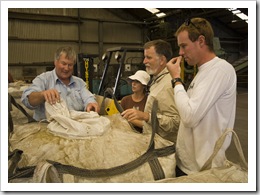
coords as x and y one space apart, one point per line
31 51
39 30
114 32
89 48
89 31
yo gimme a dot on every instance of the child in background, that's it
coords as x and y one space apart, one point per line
138 98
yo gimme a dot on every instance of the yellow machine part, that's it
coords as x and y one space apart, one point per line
111 108
109 105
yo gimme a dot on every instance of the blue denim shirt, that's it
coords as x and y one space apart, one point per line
76 95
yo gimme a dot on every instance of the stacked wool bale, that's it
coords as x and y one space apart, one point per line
117 145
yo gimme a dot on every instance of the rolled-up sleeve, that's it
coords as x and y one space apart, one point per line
25 100
36 86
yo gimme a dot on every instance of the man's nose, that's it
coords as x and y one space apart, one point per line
66 66
181 52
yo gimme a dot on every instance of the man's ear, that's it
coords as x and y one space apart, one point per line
202 40
163 60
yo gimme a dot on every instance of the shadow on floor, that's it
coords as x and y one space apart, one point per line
241 126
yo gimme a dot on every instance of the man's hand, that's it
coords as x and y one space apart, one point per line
51 96
133 114
93 107
174 67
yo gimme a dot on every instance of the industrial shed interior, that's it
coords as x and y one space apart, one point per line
109 45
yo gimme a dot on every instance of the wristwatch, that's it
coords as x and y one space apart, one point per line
176 80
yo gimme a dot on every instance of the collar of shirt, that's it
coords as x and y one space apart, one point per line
158 77
208 64
57 78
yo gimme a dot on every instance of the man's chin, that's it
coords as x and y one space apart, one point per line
64 77
149 71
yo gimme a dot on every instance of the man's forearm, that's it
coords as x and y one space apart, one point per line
36 98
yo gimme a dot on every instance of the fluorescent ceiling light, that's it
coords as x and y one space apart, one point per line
152 10
239 14
160 15
235 11
242 16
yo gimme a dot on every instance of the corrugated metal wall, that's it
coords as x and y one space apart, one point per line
50 11
32 42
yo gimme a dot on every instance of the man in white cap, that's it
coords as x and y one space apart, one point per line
138 98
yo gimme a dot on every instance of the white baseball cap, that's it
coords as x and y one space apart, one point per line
142 76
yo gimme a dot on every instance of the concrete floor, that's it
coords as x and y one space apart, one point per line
241 126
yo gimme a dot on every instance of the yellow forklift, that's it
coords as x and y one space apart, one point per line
119 64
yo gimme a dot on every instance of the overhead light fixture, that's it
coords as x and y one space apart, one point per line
239 14
152 10
236 11
160 15
243 16
156 12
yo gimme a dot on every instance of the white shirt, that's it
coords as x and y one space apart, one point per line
206 110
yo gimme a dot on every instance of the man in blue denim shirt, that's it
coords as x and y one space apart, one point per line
59 83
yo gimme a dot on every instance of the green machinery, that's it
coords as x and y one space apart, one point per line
126 61
119 64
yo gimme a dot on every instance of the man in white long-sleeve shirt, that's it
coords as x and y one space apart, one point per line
208 107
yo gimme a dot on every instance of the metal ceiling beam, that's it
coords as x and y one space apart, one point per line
41 17
65 19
